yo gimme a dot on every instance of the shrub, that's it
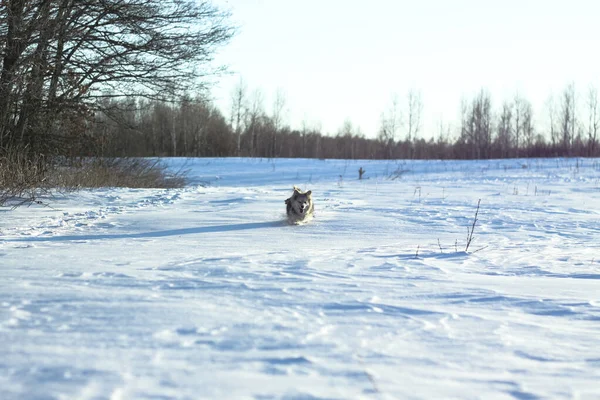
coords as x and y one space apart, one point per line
117 172
24 178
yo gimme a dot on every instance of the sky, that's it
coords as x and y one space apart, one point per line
339 60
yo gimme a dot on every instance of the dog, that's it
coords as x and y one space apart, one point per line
299 207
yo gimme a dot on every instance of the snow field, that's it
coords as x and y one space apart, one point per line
205 292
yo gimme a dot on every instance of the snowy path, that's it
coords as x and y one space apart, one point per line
204 292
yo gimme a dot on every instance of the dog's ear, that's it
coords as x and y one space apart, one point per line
296 193
309 193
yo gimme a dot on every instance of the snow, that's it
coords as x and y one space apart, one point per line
205 292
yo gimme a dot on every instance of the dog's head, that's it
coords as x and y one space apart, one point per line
300 201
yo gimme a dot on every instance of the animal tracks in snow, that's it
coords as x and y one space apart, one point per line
103 205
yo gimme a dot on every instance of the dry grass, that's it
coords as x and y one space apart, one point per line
22 178
25 179
471 231
117 172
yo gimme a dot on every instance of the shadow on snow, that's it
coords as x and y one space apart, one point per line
156 234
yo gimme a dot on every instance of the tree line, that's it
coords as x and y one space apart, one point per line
193 126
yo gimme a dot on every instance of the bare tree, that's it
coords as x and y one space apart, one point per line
527 125
504 136
517 104
173 131
390 126
303 135
191 120
61 57
415 109
238 108
476 132
277 118
593 120
345 142
523 125
253 116
17 41
567 117
552 121
441 149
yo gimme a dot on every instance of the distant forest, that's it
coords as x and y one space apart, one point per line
124 78
193 127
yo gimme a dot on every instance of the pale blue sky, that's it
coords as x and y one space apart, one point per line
338 60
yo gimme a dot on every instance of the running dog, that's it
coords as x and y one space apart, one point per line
299 207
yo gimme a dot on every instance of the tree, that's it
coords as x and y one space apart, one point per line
254 114
567 117
390 125
593 120
552 121
238 108
504 136
415 109
476 132
523 124
303 135
517 137
277 118
193 117
413 123
61 57
345 140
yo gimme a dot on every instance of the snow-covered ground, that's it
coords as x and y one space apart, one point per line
205 293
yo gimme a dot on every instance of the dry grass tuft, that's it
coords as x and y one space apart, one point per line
117 172
25 178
